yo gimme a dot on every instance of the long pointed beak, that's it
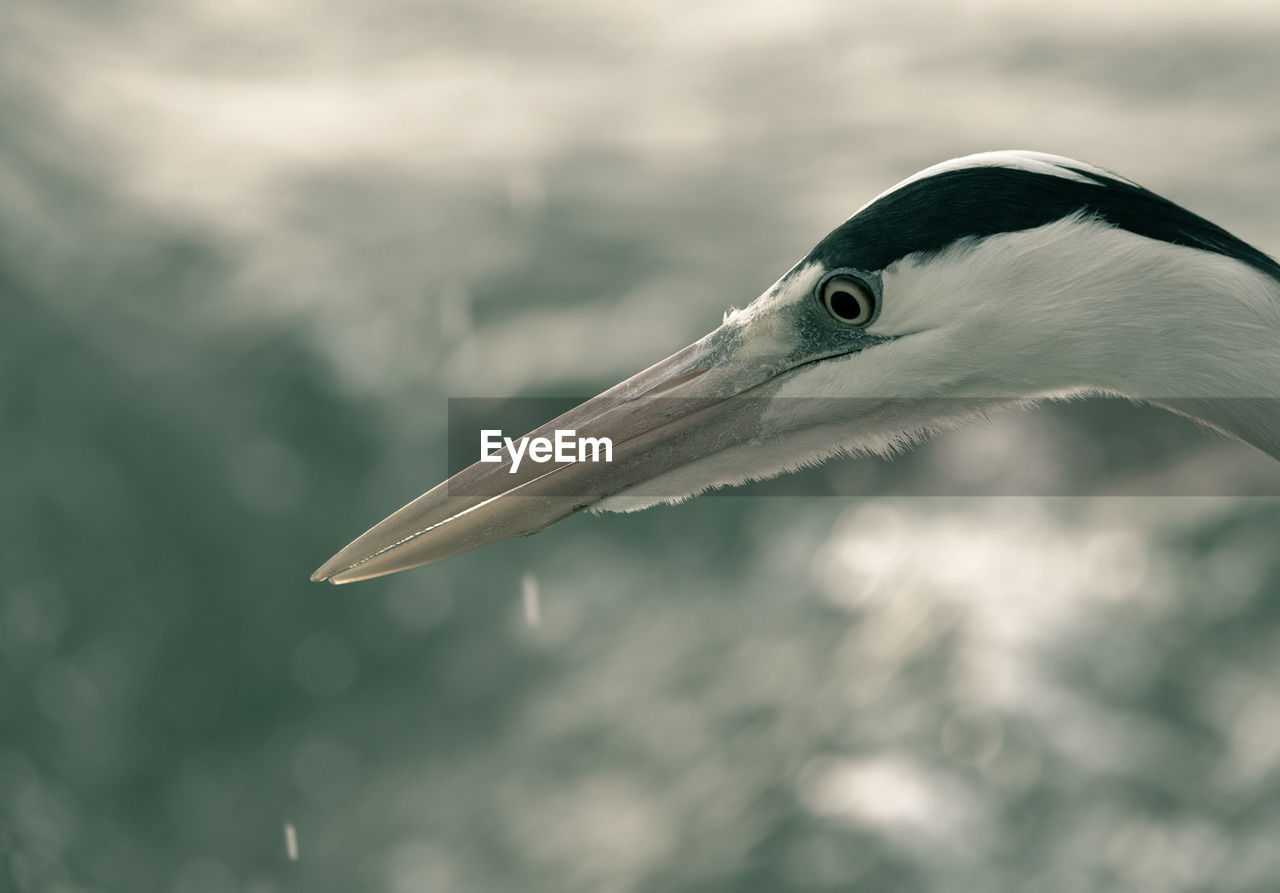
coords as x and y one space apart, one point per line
667 416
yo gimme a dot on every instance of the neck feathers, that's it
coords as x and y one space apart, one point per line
1080 306
1193 331
1253 420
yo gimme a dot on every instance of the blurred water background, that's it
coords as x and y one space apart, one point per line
247 252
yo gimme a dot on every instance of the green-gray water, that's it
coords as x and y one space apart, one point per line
248 251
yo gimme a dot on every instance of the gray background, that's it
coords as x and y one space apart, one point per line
247 252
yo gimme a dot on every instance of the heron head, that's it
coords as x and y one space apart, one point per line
982 282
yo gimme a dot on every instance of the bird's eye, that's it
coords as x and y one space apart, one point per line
848 300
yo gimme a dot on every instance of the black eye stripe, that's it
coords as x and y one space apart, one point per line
933 213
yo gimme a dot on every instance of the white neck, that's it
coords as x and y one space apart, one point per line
1081 306
1078 306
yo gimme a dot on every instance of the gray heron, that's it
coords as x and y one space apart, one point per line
993 280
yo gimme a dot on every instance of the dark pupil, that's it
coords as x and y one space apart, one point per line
845 305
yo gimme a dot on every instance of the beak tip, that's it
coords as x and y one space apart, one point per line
343 568
327 571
